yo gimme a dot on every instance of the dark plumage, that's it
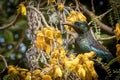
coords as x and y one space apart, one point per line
86 42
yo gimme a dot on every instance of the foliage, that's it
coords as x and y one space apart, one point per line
35 45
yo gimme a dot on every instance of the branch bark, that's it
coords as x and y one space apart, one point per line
107 38
93 16
10 24
45 22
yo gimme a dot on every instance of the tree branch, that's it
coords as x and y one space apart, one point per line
93 16
10 24
45 22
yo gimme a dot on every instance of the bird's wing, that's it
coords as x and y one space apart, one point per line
99 46
102 52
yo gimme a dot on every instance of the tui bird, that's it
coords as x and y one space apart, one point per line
86 42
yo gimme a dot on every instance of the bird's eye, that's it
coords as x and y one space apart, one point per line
78 24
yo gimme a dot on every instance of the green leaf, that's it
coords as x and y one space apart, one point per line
107 42
104 35
2 66
11 77
7 77
20 25
8 36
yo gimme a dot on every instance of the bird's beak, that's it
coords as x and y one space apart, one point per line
68 24
72 33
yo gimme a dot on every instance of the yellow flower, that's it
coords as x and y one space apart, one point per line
58 37
57 71
74 16
23 74
72 12
46 77
62 55
117 31
81 71
47 48
69 28
40 42
21 69
90 66
118 51
60 7
12 70
53 61
55 52
49 34
71 56
62 51
58 34
81 17
22 9
39 33
36 72
90 54
71 65
47 37
28 76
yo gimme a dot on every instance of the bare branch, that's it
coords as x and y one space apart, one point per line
102 15
5 62
45 22
10 24
107 38
92 3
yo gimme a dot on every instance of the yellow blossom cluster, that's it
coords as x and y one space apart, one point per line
82 65
117 31
22 9
25 74
50 40
74 16
48 37
58 54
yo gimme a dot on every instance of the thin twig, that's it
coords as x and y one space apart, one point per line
77 5
10 24
102 15
5 62
43 3
107 38
43 18
67 38
93 9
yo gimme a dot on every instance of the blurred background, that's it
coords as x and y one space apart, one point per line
14 41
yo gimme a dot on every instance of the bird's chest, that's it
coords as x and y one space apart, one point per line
83 44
